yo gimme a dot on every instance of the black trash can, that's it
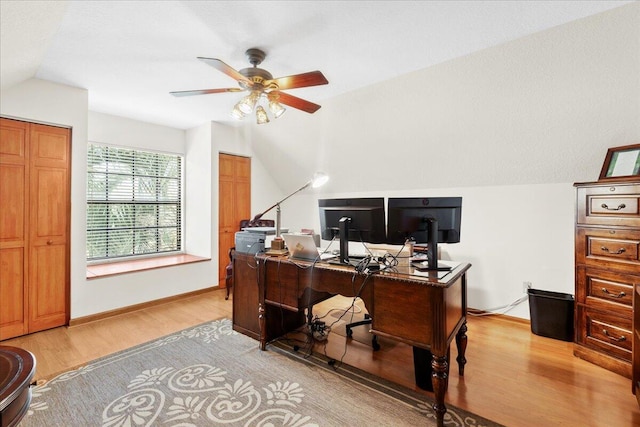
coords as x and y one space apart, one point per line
551 314
422 368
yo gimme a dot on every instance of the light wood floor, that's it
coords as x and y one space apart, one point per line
512 376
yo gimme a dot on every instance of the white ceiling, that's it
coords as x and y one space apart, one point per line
130 54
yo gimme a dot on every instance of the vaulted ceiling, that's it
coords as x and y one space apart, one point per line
130 54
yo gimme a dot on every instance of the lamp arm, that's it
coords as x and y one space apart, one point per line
260 215
295 192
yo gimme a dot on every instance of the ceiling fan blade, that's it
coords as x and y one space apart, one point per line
204 91
228 70
312 78
299 103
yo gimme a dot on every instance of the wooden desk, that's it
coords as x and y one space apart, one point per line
17 367
423 309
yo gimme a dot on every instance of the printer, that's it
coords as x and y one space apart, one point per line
251 240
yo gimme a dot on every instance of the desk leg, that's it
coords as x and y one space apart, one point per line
439 379
263 326
461 344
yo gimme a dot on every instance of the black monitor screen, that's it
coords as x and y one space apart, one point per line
367 220
409 218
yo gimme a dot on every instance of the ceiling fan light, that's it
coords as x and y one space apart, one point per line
248 103
276 108
261 115
236 113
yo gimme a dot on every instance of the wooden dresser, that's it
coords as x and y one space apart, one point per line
635 385
607 262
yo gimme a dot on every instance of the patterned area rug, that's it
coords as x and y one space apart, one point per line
210 375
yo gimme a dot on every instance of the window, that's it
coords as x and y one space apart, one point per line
133 202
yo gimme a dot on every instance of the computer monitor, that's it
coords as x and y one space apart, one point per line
356 220
430 220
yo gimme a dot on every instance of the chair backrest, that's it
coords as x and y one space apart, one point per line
259 223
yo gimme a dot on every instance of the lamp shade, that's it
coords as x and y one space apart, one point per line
319 179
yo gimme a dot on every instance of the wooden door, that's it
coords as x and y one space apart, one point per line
234 204
14 208
49 227
34 227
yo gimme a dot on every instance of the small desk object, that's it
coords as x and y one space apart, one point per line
17 367
425 309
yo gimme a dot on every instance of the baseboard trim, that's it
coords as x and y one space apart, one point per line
131 308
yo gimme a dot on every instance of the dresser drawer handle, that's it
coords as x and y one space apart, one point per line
620 295
620 206
606 249
612 338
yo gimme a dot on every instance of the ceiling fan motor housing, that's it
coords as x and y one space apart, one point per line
256 75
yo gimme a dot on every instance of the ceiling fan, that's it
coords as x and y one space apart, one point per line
261 84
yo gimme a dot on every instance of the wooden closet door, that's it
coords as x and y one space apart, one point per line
234 190
49 225
34 227
14 254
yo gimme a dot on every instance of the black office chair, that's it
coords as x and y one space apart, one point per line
232 250
366 321
229 272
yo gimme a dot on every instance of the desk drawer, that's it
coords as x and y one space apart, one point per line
617 249
617 205
605 332
281 285
601 288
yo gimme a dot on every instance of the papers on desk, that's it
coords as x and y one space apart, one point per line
327 255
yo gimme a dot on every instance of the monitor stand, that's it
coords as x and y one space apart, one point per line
343 233
432 248
343 230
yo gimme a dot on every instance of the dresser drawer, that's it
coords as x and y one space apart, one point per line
617 249
600 288
617 205
605 332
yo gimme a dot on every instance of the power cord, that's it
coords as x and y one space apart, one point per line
496 310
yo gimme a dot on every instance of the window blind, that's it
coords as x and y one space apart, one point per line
134 203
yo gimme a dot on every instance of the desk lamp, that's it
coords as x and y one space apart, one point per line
318 180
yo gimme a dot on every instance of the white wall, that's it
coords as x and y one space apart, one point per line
510 129
198 192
